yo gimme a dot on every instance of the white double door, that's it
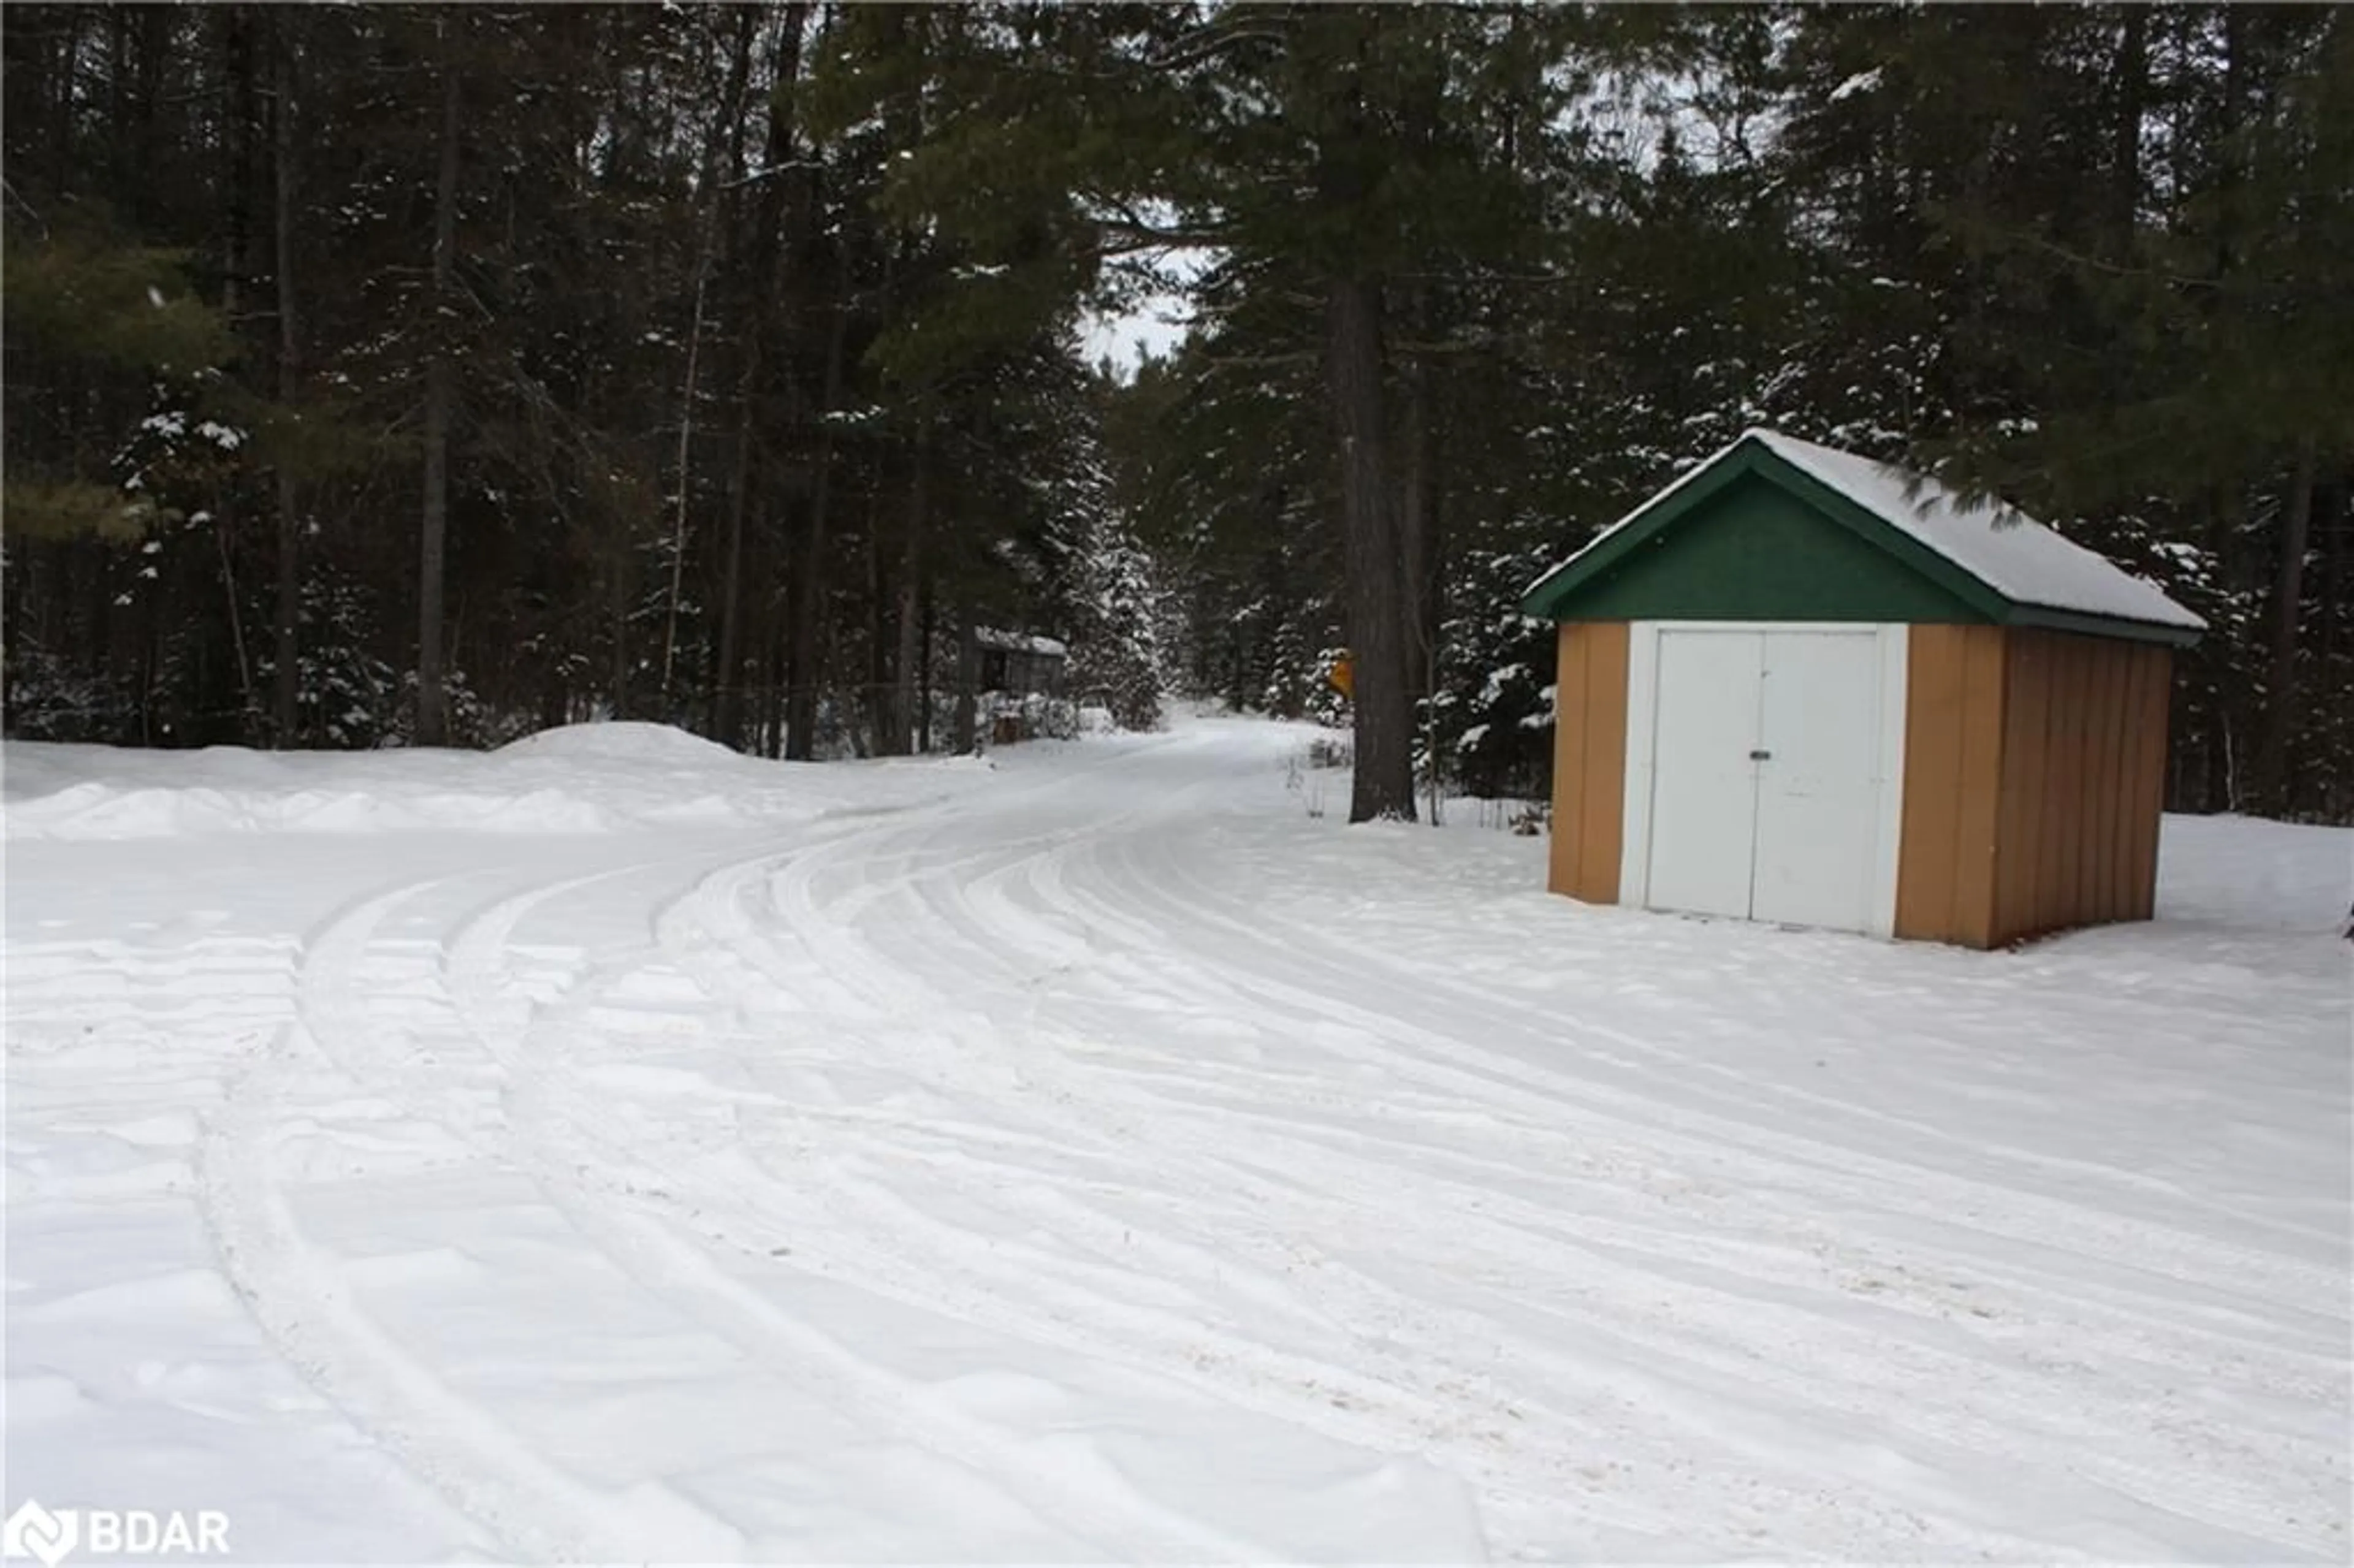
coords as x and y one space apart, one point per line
1771 785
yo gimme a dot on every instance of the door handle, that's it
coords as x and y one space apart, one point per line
1761 757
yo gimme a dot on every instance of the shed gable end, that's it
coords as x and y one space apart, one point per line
1751 548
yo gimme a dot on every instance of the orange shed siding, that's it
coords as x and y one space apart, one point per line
2034 768
2025 834
1953 779
1589 766
2094 765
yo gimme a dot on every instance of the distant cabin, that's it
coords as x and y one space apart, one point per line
1022 680
1018 664
1801 686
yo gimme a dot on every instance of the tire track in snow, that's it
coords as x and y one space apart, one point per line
305 1308
2296 1372
1354 1300
1438 1055
894 1267
1017 1274
1408 1049
562 1135
2241 1513
1355 987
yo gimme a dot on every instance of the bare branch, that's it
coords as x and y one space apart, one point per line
2114 269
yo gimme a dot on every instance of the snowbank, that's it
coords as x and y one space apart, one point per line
2244 871
580 778
624 740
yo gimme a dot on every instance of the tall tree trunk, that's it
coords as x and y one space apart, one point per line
64 165
286 694
766 285
617 611
727 682
238 112
968 677
2232 174
432 715
158 29
1378 608
2273 786
772 683
685 481
809 570
2339 799
1418 555
2130 77
247 705
714 193
878 724
907 604
923 680
121 149
240 116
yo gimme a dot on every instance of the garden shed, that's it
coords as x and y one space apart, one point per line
1021 680
1019 664
1799 686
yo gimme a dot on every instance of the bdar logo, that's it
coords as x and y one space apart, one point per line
50 1534
34 1531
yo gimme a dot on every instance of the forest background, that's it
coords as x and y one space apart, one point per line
388 375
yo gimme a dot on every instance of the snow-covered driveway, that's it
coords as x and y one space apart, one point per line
612 1148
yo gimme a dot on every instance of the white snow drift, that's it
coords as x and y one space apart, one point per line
582 778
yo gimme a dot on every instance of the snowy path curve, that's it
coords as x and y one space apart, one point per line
1123 893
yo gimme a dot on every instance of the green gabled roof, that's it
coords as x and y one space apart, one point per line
1776 529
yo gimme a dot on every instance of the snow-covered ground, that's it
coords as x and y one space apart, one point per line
611 1148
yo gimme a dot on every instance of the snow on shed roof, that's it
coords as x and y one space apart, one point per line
1019 641
2009 552
2000 546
